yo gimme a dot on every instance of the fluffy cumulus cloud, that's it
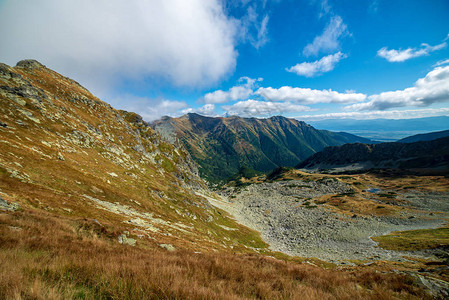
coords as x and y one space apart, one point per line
318 67
150 109
187 42
309 96
390 114
406 54
238 92
205 110
254 108
431 89
329 40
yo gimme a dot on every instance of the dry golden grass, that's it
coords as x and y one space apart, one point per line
43 256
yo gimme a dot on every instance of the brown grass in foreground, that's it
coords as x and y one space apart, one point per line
43 256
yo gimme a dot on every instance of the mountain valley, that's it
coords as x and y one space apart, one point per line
221 146
97 203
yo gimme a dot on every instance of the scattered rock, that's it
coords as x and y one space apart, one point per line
436 288
168 247
60 156
124 239
278 210
4 205
15 228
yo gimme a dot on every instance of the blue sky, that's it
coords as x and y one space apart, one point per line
311 60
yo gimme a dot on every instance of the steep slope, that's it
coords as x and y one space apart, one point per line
95 205
65 151
419 155
425 137
221 146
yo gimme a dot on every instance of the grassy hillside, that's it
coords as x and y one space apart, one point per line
64 151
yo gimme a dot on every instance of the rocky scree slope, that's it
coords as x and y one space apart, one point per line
65 151
292 219
419 155
221 146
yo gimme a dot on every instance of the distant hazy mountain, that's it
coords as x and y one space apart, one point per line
386 130
221 146
419 155
425 137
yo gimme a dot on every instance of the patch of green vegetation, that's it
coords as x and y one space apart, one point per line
278 173
414 239
3 171
165 147
326 179
307 204
167 165
244 172
389 195
350 193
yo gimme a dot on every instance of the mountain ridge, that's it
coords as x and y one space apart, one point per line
222 145
422 155
425 137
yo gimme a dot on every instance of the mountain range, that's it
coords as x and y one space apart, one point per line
221 146
425 137
425 156
385 130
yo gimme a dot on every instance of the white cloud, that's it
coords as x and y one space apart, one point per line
374 6
329 40
442 62
253 108
392 114
308 96
253 25
403 55
428 90
255 31
205 110
187 42
239 92
311 69
325 8
150 109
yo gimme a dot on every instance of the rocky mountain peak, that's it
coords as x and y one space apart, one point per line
29 64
